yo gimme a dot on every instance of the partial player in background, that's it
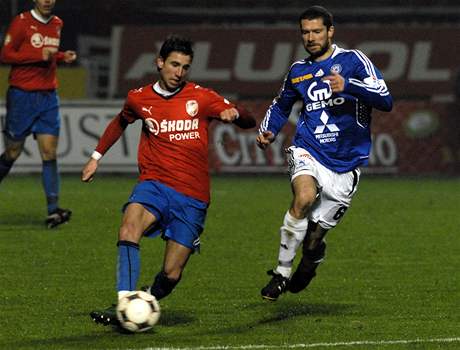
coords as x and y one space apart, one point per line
31 47
338 89
172 195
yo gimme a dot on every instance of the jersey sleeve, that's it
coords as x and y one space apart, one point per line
127 113
11 51
367 84
215 103
278 113
116 127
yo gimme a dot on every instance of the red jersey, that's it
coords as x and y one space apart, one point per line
173 148
25 39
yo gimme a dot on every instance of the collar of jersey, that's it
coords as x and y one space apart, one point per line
335 51
39 17
165 93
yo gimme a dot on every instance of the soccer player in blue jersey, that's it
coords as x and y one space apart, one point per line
338 89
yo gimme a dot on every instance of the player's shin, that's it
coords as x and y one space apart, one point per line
5 166
306 270
292 234
128 267
162 285
50 179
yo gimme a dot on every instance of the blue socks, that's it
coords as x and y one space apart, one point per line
50 180
5 166
128 266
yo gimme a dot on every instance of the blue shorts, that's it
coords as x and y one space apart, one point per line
179 217
29 112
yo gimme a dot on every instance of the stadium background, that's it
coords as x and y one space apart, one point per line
243 49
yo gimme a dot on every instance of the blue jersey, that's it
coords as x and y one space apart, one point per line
333 127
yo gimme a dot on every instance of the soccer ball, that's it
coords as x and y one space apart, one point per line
138 311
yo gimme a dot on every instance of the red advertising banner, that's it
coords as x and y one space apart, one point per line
416 138
417 61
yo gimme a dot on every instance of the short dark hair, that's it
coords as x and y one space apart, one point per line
315 12
176 43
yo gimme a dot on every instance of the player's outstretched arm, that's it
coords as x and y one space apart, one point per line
240 117
245 120
264 139
89 170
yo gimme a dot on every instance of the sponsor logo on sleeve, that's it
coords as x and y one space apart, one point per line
301 78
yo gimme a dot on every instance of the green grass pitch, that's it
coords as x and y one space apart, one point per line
390 280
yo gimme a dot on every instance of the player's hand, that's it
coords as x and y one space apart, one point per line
89 170
336 82
265 139
70 56
48 53
229 115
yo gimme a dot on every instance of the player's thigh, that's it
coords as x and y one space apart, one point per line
136 220
21 113
304 188
335 197
47 145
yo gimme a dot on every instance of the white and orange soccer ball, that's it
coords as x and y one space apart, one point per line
138 311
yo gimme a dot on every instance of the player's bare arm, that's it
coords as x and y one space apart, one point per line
89 170
265 139
336 82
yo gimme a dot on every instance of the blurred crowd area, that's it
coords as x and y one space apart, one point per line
243 49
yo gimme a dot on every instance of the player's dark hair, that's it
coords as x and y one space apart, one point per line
315 12
176 43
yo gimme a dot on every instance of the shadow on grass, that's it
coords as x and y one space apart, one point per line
292 309
280 311
100 335
22 220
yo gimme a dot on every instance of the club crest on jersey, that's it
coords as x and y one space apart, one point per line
336 68
191 107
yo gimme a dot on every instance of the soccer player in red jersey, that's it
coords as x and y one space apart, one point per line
172 195
31 46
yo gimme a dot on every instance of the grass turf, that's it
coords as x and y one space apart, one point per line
391 271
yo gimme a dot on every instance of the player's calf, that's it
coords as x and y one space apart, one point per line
306 270
162 286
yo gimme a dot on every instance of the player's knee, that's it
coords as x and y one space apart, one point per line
129 232
302 204
11 154
48 154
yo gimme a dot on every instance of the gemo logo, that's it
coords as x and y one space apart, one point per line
321 97
37 40
319 94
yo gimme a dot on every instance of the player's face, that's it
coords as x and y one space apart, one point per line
173 70
317 39
44 7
